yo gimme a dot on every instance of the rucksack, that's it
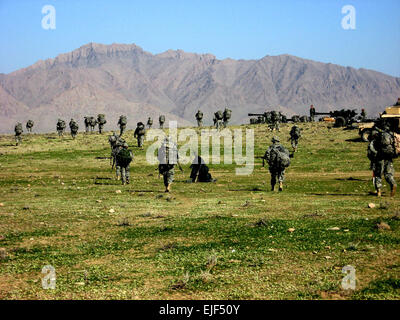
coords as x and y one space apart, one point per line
227 114
199 115
279 159
219 115
162 119
18 129
124 157
387 145
101 119
122 120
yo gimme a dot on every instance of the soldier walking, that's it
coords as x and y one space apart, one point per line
124 158
149 123
122 122
139 134
274 121
168 158
381 152
227 116
29 126
87 124
161 121
277 157
101 120
60 127
18 132
219 118
199 118
73 126
295 134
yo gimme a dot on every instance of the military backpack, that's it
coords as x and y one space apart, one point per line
124 157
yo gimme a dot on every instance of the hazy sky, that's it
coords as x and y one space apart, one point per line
237 29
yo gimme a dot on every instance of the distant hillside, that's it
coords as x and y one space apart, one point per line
123 79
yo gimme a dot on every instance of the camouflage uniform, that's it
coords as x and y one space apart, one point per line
149 122
125 169
60 127
161 121
101 120
382 160
199 118
398 102
92 123
116 144
168 158
74 128
218 119
18 131
29 125
294 137
122 124
363 114
86 121
227 116
139 134
276 169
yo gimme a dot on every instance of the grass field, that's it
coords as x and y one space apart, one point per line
223 240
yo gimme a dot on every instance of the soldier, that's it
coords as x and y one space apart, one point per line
278 159
398 102
87 123
116 147
312 113
200 171
227 116
149 122
73 126
274 121
161 120
295 134
18 131
29 125
92 123
139 134
219 118
383 152
122 124
168 158
199 118
101 120
124 158
363 114
60 127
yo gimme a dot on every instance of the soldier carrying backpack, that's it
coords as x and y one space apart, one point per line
18 131
29 125
74 128
122 122
168 158
227 116
124 158
295 134
278 160
199 118
60 127
101 120
218 119
161 120
149 122
139 133
382 154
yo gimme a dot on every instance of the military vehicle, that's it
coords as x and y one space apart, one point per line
266 117
391 115
342 118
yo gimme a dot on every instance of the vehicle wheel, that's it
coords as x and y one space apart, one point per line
340 122
365 135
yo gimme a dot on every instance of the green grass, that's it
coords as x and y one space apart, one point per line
57 198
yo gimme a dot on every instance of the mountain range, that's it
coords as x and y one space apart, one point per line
121 79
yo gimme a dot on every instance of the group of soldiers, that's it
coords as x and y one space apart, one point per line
220 119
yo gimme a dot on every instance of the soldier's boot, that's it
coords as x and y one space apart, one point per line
272 187
393 191
280 186
168 188
379 192
127 181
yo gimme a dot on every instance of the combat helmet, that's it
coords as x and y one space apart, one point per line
275 139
